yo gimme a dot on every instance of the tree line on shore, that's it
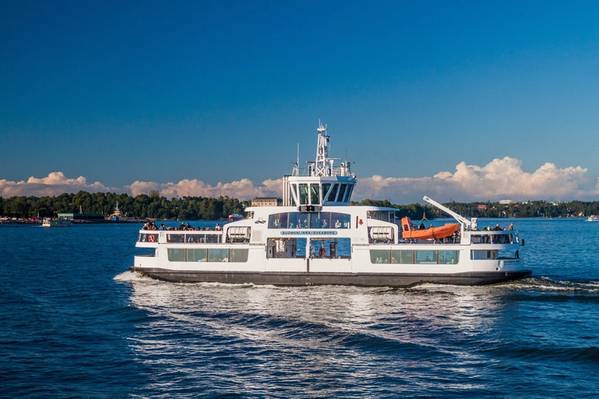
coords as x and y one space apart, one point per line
140 206
497 210
193 208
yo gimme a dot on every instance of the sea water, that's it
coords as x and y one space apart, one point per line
74 322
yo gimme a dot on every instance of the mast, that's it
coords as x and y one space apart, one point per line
321 165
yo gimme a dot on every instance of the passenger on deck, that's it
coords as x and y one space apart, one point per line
218 228
322 252
337 224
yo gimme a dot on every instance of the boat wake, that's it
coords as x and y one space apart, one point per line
548 284
129 276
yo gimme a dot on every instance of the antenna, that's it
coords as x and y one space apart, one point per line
295 171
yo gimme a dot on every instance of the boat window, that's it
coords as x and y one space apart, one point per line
303 220
303 194
401 256
195 238
144 237
294 192
426 257
480 239
316 220
407 257
385 216
379 256
342 192
212 238
501 238
197 255
333 248
314 194
207 255
449 257
312 220
176 255
293 221
325 191
238 255
340 220
286 248
278 221
218 255
175 238
350 188
477 254
333 195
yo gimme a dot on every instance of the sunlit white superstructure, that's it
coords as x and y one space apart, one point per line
316 237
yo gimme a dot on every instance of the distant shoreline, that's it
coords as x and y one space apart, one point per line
153 206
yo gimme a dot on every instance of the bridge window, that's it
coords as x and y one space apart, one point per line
325 190
314 194
334 191
348 192
303 194
342 192
286 248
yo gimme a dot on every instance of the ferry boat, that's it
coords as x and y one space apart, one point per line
315 237
58 222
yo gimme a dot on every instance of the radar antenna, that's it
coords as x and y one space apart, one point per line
322 164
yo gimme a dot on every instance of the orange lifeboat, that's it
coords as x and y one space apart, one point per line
447 230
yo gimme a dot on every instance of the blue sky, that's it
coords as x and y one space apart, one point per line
163 91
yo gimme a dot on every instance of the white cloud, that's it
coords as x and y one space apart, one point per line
54 184
499 179
502 178
242 189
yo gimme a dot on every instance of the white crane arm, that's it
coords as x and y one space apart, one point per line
464 221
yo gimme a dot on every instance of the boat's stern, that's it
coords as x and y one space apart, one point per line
497 252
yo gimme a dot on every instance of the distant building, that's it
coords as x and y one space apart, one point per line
506 202
266 201
482 207
65 216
